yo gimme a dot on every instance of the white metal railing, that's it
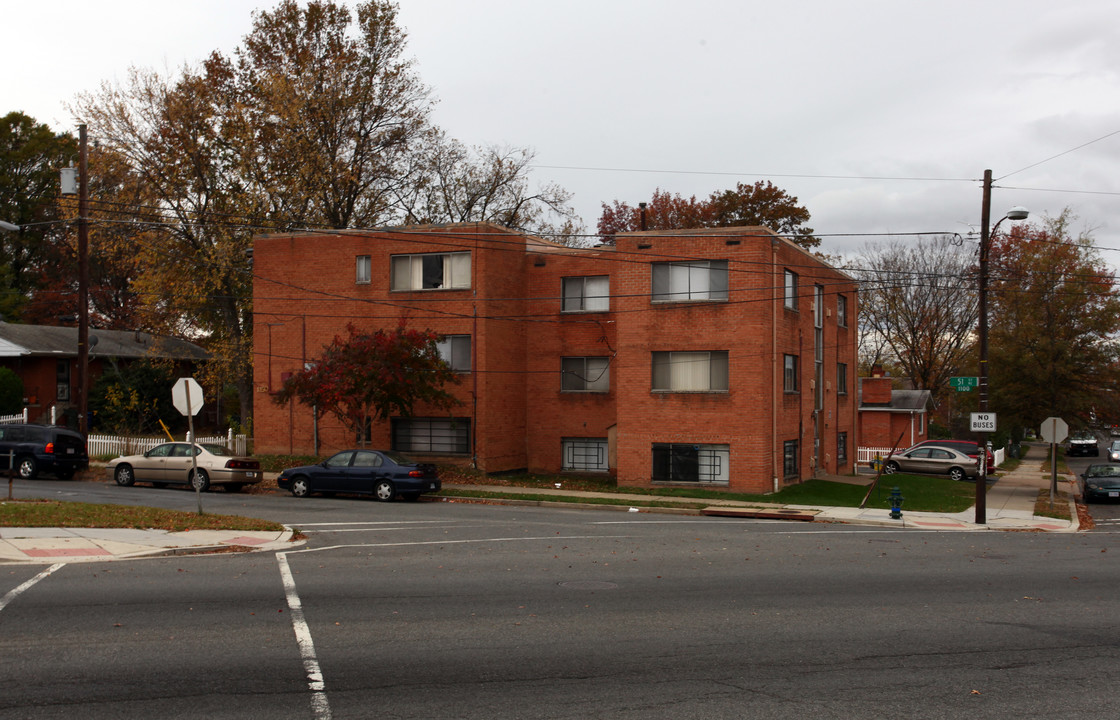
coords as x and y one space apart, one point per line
97 445
14 419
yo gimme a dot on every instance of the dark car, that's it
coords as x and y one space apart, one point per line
1101 481
968 447
35 449
381 473
1083 443
933 460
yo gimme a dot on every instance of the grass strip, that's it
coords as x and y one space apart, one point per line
53 513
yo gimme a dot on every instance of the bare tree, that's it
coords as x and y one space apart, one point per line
917 307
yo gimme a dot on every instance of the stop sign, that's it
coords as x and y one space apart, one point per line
187 396
1054 430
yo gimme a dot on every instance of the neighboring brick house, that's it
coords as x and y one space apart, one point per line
888 416
723 357
46 359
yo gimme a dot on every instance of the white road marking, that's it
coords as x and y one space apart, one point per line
17 591
319 705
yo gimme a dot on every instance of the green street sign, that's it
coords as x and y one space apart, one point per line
964 384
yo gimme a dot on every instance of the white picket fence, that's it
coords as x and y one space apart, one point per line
20 418
99 445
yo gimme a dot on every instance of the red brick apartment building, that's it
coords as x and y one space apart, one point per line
720 357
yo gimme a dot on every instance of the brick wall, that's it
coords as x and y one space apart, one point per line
305 294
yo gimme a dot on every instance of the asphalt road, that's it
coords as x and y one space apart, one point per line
441 610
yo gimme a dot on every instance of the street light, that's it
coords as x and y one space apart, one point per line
1015 213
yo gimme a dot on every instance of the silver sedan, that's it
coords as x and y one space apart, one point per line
170 463
934 460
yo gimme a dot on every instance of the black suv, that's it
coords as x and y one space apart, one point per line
42 448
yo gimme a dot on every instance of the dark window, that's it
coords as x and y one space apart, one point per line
791 374
435 435
683 462
789 458
585 374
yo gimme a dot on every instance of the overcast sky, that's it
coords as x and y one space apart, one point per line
879 115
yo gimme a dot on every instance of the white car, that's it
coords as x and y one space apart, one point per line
170 463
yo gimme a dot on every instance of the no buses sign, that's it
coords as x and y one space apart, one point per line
983 422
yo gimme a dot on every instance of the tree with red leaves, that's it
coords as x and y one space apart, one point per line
374 375
762 204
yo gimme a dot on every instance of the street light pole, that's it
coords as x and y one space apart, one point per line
1015 213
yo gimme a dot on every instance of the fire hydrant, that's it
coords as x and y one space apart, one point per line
896 500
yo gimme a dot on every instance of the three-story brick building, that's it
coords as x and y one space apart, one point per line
723 357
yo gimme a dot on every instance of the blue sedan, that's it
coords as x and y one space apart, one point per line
381 473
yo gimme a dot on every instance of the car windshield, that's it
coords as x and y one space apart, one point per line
1104 471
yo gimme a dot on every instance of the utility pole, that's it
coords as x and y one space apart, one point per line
985 240
83 282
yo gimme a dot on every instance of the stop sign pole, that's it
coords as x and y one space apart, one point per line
186 395
1054 430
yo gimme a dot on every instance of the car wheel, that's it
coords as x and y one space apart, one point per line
384 491
200 481
890 468
124 475
956 474
300 487
28 468
233 487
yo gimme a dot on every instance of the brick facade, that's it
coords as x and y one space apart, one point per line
715 332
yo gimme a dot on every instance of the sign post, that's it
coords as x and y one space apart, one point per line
1054 430
186 396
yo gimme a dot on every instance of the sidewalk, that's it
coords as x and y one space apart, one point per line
51 545
1009 506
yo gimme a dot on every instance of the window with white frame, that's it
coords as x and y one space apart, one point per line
456 351
842 378
431 271
695 280
842 310
361 270
791 374
450 436
791 290
586 294
584 454
686 462
789 458
585 374
705 371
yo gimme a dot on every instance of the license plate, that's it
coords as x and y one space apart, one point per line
250 474
69 451
1114 493
431 486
